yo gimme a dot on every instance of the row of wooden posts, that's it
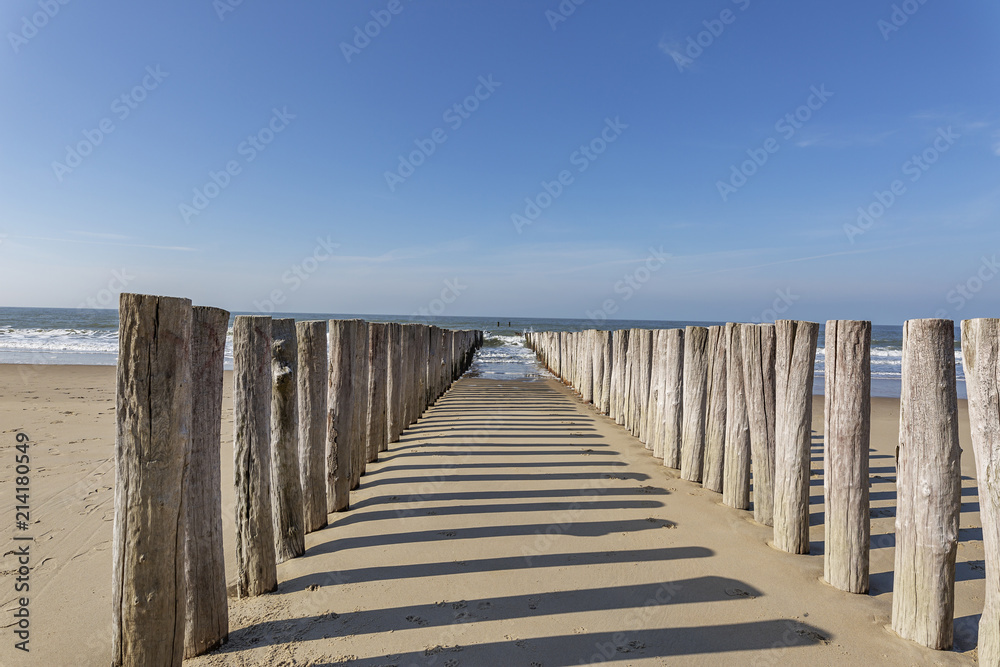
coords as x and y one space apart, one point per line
727 404
313 403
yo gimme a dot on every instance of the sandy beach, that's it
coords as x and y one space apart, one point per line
511 525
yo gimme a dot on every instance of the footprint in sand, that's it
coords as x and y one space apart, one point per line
738 593
417 620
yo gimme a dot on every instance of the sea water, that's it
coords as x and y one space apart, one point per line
90 337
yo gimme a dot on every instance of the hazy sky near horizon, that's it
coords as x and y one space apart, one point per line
723 160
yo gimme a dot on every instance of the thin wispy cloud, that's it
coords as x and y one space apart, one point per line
107 243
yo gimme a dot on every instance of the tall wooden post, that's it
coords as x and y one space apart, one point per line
695 388
207 617
736 483
604 342
981 354
378 348
794 369
715 414
312 408
359 381
340 436
928 486
673 389
152 446
759 349
256 570
657 375
394 384
846 438
645 377
286 487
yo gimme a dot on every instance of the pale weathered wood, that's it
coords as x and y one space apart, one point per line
207 610
605 344
736 467
759 385
794 370
846 439
394 384
645 374
256 570
657 378
981 360
286 485
596 341
695 388
340 437
312 408
927 486
152 445
377 349
586 367
360 396
620 342
715 412
673 399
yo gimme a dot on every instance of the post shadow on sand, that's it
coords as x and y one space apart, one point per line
498 564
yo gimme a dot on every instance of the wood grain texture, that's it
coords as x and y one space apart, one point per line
927 486
695 395
359 379
286 485
846 440
736 476
981 360
673 416
715 413
340 414
206 606
377 371
759 385
152 446
313 414
256 569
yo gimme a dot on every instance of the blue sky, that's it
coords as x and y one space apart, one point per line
738 138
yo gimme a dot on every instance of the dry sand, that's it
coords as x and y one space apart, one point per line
512 525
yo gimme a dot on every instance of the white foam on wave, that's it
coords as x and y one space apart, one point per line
59 340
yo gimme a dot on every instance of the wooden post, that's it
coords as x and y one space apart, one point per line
597 360
794 369
654 425
645 372
394 384
928 486
736 482
846 438
673 390
359 383
631 365
376 389
286 487
256 570
604 342
981 354
586 367
207 616
759 383
715 414
152 446
340 415
620 342
312 408
695 388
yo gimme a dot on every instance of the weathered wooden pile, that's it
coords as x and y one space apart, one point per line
313 402
729 404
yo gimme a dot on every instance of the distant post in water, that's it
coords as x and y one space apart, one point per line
715 415
673 416
794 371
736 482
695 388
152 445
759 383
207 617
256 569
981 354
847 437
928 486
312 407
